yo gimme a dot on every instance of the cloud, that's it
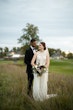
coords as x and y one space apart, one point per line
65 44
54 19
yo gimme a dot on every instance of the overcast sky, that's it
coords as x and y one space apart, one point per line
54 19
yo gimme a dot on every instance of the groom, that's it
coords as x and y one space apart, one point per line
27 60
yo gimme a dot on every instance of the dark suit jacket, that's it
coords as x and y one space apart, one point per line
27 60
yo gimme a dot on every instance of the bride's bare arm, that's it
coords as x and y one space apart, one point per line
33 60
47 60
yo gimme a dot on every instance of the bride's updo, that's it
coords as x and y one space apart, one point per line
44 45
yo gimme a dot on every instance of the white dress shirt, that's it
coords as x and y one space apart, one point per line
33 49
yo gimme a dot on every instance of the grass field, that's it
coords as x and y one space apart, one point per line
62 66
13 87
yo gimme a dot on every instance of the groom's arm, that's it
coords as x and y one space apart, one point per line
34 59
27 59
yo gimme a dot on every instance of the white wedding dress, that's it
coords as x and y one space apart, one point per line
40 82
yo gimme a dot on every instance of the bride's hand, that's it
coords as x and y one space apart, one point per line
46 66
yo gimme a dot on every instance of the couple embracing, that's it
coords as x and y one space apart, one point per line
37 81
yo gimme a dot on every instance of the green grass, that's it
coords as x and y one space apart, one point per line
13 87
61 66
56 66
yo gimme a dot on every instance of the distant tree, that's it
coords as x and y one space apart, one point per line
1 52
6 50
23 48
70 55
58 51
51 51
63 54
14 49
29 32
18 49
1 49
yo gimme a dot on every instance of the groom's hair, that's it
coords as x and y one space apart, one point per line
33 40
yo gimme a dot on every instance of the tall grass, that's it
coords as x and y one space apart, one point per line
13 90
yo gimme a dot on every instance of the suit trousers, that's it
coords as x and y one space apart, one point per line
30 83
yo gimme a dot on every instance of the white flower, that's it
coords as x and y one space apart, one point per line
39 69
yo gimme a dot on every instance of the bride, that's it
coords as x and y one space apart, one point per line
40 82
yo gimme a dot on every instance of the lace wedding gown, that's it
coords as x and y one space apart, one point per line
40 82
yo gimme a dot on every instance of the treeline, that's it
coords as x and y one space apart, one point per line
29 32
4 51
53 51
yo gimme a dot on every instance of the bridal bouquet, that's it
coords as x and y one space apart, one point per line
39 69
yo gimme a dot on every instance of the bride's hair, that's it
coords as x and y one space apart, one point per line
44 45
